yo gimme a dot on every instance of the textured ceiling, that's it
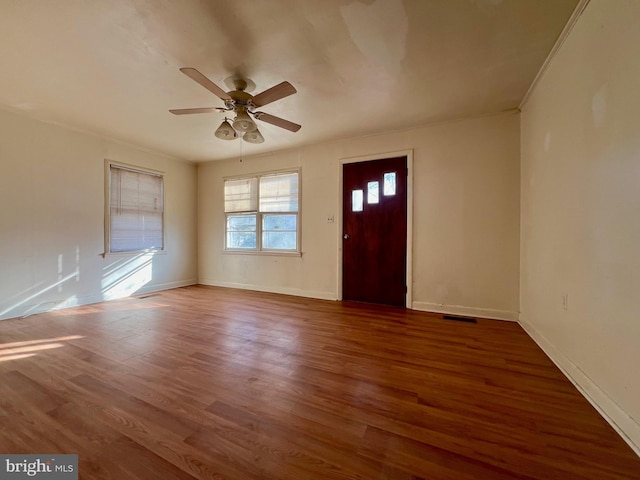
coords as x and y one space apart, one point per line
360 66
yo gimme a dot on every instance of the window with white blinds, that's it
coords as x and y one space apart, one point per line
136 210
261 212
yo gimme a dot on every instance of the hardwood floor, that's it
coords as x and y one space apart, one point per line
204 382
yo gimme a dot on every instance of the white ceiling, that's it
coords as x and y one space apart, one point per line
360 66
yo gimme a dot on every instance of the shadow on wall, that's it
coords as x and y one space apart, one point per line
23 300
121 278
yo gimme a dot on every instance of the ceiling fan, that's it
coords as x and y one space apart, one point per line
243 105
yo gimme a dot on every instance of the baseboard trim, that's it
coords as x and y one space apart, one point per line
97 298
493 314
297 292
55 305
620 420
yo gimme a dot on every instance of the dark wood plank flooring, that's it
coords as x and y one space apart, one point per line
204 382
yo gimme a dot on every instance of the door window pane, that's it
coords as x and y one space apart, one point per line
373 192
357 199
389 187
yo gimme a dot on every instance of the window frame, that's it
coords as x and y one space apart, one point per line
259 216
107 209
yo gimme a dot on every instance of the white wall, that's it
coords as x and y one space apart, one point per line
52 220
581 210
466 217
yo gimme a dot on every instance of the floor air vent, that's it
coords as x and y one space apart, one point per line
150 295
459 319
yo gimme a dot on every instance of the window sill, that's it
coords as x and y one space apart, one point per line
271 253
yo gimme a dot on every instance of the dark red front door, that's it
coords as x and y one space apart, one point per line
374 264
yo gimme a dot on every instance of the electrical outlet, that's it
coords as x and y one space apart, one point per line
329 218
565 301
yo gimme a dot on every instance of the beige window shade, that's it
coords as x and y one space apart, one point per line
241 195
136 210
279 193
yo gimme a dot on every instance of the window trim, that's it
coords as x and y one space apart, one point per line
107 209
259 216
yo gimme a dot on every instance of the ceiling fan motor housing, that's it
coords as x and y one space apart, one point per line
240 98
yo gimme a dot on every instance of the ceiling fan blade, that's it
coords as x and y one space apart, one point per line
272 94
188 111
277 121
205 82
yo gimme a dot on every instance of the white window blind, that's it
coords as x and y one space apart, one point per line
136 208
241 195
279 193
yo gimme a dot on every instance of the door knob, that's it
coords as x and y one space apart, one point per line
346 236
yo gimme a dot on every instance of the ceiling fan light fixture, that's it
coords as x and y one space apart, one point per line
243 122
225 131
253 137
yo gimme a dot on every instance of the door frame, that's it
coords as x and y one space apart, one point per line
409 260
